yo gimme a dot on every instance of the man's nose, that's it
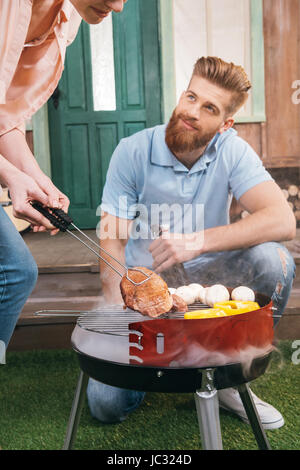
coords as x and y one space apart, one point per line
115 5
194 112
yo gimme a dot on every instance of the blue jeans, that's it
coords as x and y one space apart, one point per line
18 275
267 268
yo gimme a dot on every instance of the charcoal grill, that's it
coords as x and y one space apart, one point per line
123 348
170 354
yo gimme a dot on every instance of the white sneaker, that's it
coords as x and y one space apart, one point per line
230 400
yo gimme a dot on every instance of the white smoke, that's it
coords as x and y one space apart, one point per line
193 355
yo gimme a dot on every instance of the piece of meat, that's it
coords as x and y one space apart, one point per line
179 305
151 298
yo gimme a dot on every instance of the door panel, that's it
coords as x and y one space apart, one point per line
82 140
107 138
78 142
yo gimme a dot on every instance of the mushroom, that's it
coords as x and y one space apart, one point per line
216 293
198 290
187 294
203 299
243 293
172 290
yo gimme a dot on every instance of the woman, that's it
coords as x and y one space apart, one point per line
34 35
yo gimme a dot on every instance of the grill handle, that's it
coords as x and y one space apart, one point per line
57 217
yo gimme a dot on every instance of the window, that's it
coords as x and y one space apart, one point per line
103 71
230 29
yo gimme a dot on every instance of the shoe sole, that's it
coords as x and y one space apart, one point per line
268 426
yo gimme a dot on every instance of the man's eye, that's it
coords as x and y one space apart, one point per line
210 108
191 97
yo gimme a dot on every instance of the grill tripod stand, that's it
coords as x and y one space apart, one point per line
207 406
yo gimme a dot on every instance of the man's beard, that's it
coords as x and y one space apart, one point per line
180 140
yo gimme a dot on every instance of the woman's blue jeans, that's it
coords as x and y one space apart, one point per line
267 268
18 275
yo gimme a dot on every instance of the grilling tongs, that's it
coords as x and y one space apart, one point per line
63 221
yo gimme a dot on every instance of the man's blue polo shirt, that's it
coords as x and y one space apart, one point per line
146 182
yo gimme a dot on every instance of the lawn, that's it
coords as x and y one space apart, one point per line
36 393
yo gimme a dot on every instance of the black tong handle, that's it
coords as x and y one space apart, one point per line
57 217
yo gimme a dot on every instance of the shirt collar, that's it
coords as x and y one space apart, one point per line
161 155
65 12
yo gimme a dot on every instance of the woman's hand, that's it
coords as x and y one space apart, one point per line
56 199
23 189
21 173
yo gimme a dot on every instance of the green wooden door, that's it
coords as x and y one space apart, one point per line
82 140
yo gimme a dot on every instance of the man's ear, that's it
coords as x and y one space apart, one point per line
226 125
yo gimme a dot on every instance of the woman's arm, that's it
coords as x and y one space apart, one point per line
23 189
21 173
14 148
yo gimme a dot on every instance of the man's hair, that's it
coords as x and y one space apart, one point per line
226 75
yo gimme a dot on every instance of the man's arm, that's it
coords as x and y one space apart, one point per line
113 238
270 219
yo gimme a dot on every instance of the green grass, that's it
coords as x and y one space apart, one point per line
36 393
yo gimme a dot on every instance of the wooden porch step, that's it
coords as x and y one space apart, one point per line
50 332
62 253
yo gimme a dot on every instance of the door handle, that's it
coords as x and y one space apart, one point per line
55 97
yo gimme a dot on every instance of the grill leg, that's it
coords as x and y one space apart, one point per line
253 417
76 409
207 405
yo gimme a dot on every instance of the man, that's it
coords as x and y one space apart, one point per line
34 35
196 162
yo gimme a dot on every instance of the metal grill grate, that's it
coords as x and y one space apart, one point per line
114 319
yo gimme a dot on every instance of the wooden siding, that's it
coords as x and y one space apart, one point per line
278 140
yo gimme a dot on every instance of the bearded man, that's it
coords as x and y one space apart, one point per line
185 175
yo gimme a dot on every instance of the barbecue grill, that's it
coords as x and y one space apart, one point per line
122 348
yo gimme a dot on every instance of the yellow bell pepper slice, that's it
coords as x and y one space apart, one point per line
235 307
205 313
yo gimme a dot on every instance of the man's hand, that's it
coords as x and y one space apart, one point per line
174 248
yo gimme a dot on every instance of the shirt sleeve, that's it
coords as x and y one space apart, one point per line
119 195
247 169
22 128
9 28
29 75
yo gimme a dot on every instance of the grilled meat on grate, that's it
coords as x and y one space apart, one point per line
179 304
150 298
